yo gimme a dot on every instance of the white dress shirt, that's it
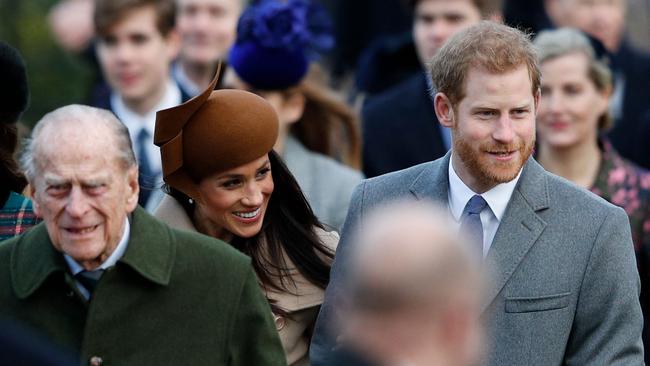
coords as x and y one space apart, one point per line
497 199
135 122
119 251
184 81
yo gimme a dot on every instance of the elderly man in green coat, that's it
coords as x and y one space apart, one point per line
104 278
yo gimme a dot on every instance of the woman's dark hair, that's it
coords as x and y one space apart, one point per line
289 224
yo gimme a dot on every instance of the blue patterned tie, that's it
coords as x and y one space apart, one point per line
146 177
89 279
471 222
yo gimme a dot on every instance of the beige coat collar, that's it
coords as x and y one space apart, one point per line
304 295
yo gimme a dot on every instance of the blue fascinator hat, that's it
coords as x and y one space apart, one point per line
277 39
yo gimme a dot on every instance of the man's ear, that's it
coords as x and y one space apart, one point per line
35 204
444 110
132 188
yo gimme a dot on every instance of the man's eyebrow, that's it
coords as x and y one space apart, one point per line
94 181
51 180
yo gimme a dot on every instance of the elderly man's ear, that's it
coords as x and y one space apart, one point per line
31 193
133 188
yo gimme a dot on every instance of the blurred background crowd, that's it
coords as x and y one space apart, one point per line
57 35
349 87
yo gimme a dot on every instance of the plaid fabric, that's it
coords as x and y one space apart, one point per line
16 216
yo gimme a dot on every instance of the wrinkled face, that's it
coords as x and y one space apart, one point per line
207 28
436 20
235 201
84 194
493 126
135 56
570 105
603 19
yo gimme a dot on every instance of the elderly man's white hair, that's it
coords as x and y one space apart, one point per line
87 120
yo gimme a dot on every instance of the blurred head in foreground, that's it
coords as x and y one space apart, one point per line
414 294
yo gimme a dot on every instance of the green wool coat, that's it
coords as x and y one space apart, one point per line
174 298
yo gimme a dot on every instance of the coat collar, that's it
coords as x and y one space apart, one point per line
520 227
433 181
33 260
519 230
151 250
150 253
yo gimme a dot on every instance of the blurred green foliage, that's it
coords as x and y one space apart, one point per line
55 77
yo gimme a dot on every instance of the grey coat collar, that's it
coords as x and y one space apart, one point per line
151 253
520 227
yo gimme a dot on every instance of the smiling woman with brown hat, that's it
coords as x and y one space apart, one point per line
224 180
275 56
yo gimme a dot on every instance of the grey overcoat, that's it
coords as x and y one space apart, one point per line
565 288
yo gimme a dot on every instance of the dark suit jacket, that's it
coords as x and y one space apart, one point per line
400 128
564 288
630 135
174 298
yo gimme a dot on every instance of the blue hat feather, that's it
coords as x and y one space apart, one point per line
276 40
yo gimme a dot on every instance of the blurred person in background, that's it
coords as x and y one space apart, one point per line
399 127
71 23
605 21
225 181
318 138
571 125
16 212
207 29
136 45
414 294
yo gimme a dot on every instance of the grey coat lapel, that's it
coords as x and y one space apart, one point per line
519 229
433 181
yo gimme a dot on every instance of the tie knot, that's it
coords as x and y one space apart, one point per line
475 205
143 136
89 279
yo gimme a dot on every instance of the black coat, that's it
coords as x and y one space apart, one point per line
631 133
400 128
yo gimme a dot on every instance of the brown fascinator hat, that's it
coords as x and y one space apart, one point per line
215 131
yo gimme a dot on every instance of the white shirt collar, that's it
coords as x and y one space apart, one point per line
112 259
497 198
134 121
183 80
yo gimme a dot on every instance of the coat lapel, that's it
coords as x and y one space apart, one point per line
33 260
519 229
151 251
433 181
